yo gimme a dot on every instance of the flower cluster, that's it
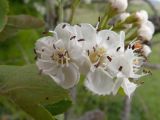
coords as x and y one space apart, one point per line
108 57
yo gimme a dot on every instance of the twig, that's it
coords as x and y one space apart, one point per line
152 66
127 108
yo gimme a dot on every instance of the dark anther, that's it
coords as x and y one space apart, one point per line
118 49
54 46
94 49
79 25
120 68
88 52
109 58
81 40
133 47
129 46
108 38
99 19
73 37
64 26
42 50
97 65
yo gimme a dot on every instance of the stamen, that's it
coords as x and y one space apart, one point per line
64 26
97 65
120 68
79 25
88 52
54 46
133 47
94 49
81 40
73 37
42 50
129 46
118 49
108 38
109 58
99 19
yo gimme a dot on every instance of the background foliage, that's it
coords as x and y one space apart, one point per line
16 48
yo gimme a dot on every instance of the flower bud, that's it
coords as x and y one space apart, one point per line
124 16
142 16
119 5
146 50
146 30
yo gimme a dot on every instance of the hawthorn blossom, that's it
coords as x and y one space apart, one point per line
99 47
58 56
119 5
126 65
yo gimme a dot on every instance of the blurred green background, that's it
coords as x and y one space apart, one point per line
18 50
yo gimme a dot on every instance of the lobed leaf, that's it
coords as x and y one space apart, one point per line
30 90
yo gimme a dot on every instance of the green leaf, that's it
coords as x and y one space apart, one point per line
4 8
24 22
59 107
19 22
30 90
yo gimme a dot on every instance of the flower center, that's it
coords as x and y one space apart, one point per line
97 56
61 56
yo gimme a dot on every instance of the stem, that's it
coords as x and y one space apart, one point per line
60 11
131 34
74 5
110 12
127 108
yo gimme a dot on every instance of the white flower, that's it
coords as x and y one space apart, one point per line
57 56
142 16
126 64
146 50
119 5
99 47
146 30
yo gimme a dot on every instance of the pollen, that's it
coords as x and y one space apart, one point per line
97 56
61 56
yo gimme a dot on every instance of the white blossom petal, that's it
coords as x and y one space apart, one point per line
99 82
128 87
66 77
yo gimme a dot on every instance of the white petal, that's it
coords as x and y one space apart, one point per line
117 85
128 87
64 31
88 33
109 40
120 64
45 42
44 65
65 76
99 82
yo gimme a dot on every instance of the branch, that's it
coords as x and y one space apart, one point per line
127 108
152 66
